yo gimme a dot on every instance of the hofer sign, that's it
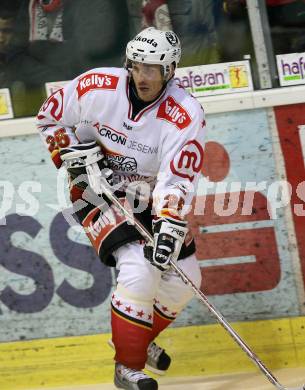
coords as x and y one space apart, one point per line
291 68
216 79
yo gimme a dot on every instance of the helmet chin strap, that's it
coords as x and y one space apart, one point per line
167 77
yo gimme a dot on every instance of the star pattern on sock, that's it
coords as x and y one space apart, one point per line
140 313
128 309
132 310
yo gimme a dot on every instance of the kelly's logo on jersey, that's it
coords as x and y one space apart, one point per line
171 111
114 135
96 81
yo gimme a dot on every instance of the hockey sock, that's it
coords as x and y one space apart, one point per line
131 323
163 317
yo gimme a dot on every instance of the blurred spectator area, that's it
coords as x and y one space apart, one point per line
286 20
7 25
192 20
210 31
56 40
287 25
234 31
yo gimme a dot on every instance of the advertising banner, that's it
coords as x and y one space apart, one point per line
52 283
291 68
291 127
216 79
203 80
6 109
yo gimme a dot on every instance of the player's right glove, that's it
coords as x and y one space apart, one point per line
169 235
78 157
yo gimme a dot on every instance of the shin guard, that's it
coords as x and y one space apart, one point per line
163 317
131 330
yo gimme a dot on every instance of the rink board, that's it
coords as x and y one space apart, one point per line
53 285
196 351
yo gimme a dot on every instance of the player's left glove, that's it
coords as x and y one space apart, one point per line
78 157
169 235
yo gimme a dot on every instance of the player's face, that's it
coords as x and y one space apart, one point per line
148 80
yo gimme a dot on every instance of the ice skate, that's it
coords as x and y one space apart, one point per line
158 361
132 379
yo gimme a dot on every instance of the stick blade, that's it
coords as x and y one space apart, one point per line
295 388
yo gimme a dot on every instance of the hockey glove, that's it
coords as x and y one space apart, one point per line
78 157
169 235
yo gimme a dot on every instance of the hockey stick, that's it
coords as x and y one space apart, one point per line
100 185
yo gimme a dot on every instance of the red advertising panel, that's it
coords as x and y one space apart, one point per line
289 119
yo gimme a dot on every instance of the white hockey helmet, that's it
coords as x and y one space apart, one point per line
152 46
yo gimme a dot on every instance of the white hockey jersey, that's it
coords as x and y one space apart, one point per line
162 145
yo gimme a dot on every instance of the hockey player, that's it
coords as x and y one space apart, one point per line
139 126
